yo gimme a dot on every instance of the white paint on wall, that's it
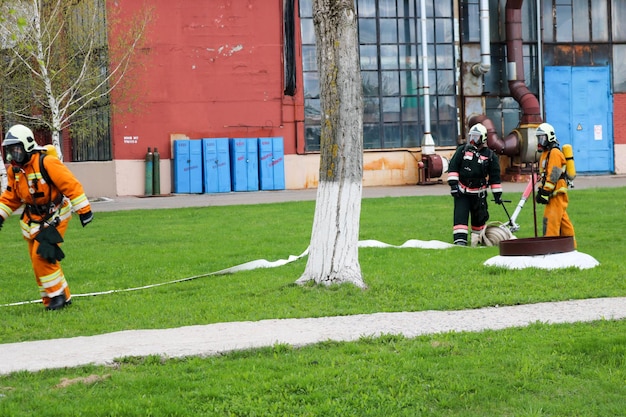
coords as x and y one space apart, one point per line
620 158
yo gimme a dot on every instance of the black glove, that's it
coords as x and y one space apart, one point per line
497 197
49 239
542 196
86 218
454 189
1 221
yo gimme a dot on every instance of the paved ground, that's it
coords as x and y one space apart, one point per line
222 337
263 197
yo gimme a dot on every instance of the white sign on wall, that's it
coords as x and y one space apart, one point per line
597 132
131 139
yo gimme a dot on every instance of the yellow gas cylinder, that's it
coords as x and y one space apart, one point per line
51 150
570 168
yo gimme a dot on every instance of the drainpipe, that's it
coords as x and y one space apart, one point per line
428 144
531 113
485 41
540 55
531 110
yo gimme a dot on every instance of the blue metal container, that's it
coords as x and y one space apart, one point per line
244 164
271 163
216 159
187 166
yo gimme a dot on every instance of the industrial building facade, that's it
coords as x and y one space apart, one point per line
247 69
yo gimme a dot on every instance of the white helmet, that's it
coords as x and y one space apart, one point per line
546 137
477 135
19 143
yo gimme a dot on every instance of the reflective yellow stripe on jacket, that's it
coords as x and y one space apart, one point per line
62 213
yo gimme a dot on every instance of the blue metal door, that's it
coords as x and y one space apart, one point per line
244 164
271 164
195 166
181 166
216 159
252 161
223 165
579 105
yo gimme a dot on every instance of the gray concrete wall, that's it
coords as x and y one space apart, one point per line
98 178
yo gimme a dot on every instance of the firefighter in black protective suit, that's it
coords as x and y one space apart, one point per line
473 168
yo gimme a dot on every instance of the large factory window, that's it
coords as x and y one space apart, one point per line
618 11
566 21
619 71
391 59
576 33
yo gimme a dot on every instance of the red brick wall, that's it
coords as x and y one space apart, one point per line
209 69
619 118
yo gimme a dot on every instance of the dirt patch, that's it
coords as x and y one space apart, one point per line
88 380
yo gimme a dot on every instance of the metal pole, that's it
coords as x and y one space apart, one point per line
540 57
485 41
533 178
428 144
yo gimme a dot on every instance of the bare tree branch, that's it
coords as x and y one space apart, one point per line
60 60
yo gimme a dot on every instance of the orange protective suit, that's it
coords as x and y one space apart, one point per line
44 204
556 222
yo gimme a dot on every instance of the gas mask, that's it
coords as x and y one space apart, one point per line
542 142
15 154
475 139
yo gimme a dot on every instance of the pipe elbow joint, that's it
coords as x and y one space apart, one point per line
512 144
480 69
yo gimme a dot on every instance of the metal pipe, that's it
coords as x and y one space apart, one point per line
540 54
428 144
509 146
485 41
531 113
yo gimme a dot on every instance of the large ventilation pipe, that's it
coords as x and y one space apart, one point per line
531 113
509 146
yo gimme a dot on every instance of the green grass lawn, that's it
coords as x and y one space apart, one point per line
563 370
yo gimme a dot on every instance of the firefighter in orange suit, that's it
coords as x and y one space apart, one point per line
553 184
48 194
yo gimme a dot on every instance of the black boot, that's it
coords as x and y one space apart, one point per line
57 303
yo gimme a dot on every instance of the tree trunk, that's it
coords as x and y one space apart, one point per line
56 142
333 251
46 79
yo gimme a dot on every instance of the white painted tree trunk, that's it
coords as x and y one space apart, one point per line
333 251
56 142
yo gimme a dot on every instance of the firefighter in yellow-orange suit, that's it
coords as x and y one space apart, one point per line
552 190
49 192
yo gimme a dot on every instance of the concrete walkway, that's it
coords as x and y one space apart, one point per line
218 338
265 197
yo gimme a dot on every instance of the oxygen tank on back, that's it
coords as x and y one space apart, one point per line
570 168
51 150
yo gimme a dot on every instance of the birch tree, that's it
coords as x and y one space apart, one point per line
58 61
333 251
